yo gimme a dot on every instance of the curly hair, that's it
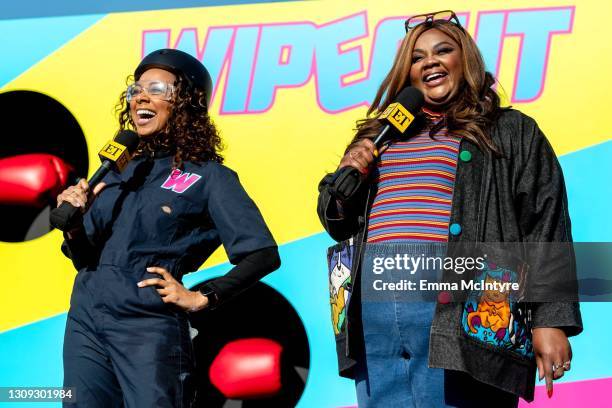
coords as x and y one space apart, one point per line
189 133
470 114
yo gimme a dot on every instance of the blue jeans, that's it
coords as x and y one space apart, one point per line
393 371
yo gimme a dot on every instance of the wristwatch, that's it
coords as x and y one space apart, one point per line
211 294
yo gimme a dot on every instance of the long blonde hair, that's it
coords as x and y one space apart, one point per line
473 109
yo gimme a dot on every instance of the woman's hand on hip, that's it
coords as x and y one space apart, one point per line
553 354
173 291
360 156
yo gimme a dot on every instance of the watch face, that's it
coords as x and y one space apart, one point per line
210 293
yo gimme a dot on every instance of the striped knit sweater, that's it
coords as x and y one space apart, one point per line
415 189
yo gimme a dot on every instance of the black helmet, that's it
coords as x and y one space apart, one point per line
179 63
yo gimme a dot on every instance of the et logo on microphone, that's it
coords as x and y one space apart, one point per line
116 153
398 116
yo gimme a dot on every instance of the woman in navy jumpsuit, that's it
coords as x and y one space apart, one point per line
127 337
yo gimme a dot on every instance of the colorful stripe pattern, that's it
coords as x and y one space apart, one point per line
416 180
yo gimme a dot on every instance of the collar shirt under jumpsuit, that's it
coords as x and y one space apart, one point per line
123 345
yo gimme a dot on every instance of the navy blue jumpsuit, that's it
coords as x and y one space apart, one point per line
123 345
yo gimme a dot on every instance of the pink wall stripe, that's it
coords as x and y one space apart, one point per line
577 394
583 394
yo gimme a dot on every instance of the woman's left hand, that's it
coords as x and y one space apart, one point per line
553 354
172 291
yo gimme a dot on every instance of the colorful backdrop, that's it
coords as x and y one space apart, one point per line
291 79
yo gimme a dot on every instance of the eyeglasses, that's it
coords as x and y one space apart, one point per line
155 89
429 18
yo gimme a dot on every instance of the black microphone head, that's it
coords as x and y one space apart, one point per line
400 113
411 98
129 139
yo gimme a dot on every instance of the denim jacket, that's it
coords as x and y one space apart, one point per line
518 196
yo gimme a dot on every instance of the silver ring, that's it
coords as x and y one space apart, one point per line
555 367
351 152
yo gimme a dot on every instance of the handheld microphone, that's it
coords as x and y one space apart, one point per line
396 119
114 155
399 114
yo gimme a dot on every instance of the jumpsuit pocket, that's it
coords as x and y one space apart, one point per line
493 313
183 215
340 261
164 220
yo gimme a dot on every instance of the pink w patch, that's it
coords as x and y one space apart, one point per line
178 181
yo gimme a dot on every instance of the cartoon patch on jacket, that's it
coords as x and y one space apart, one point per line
495 317
340 285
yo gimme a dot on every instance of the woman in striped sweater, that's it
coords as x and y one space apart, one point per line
425 191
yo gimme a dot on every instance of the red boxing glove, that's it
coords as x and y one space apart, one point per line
33 180
247 368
